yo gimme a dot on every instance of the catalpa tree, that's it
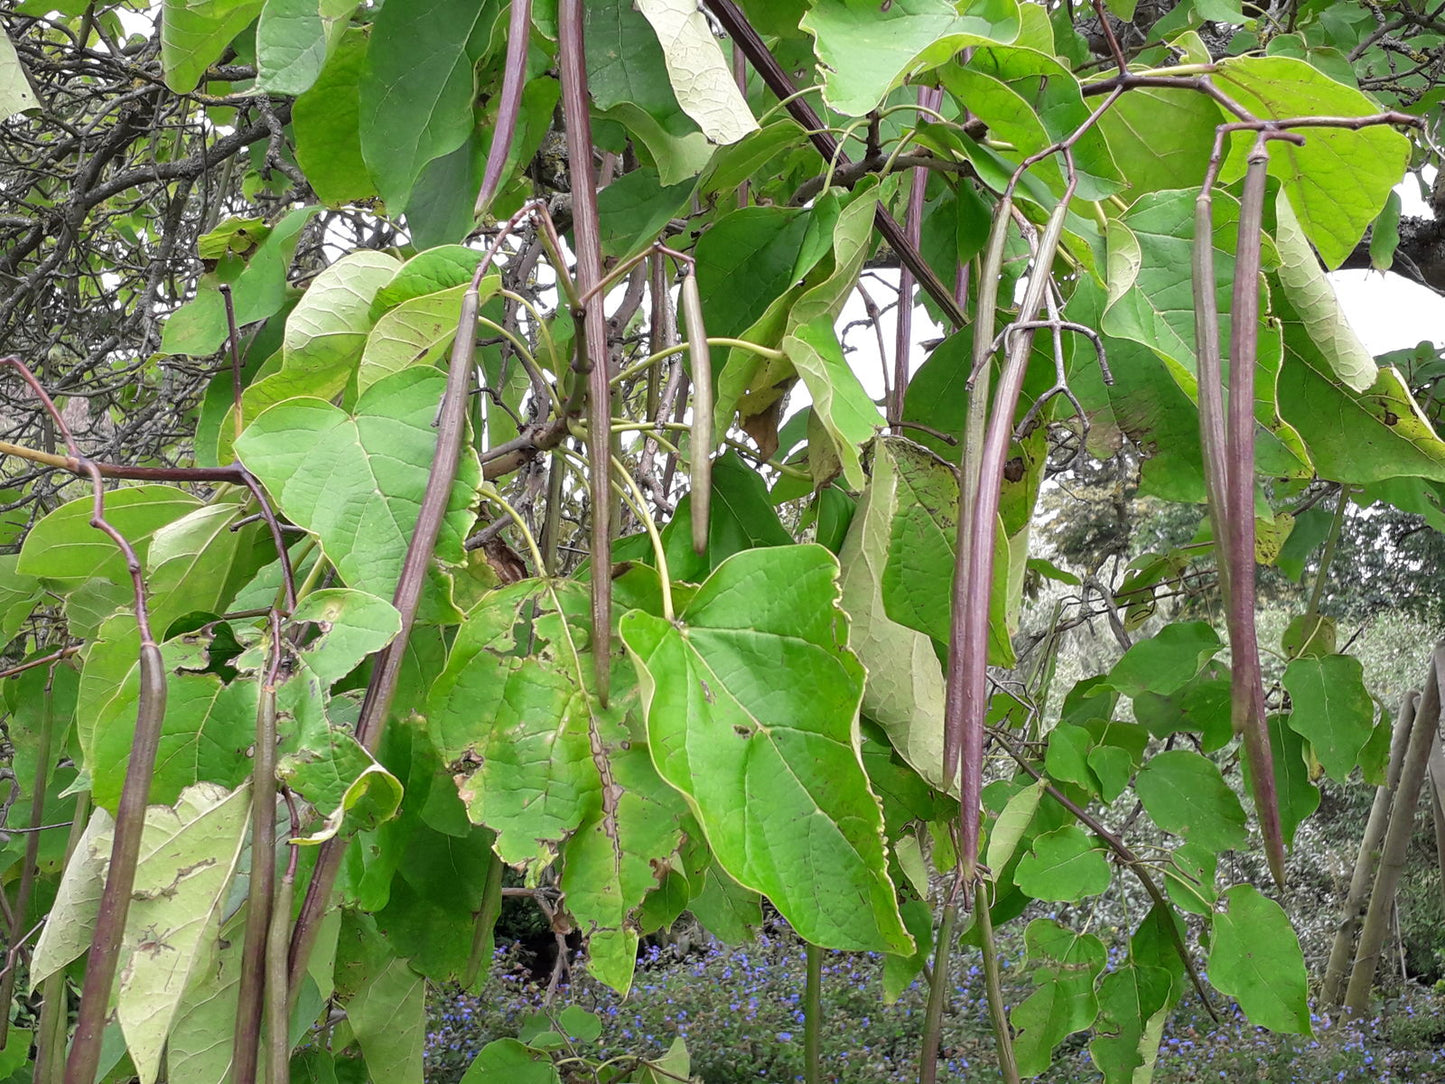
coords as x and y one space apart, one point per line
432 454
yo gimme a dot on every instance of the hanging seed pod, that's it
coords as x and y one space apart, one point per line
702 407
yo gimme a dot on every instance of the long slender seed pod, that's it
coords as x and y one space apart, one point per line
660 330
974 430
100 967
514 79
246 1038
575 108
702 410
966 684
929 98
451 429
1211 374
1247 687
278 1016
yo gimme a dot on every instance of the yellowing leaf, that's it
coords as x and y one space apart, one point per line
701 77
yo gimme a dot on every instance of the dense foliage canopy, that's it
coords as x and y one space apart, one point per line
434 448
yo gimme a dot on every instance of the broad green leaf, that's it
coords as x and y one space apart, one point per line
1201 706
353 625
326 121
208 729
1314 301
18 595
15 93
15 1053
1032 101
525 719
1063 866
1146 402
1298 796
1066 757
773 771
866 50
1129 998
744 261
1357 437
630 821
847 413
441 208
292 41
388 1018
416 332
627 74
673 1066
1189 878
904 690
197 563
1010 825
1385 235
918 576
733 165
1184 793
344 783
1113 768
433 271
513 1061
1332 709
258 291
725 908
204 1026
635 209
413 110
326 332
1336 180
1161 137
188 856
1255 958
701 76
1167 660
108 682
1063 1000
1310 635
64 546
71 921
194 34
900 971
751 384
357 481
233 237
